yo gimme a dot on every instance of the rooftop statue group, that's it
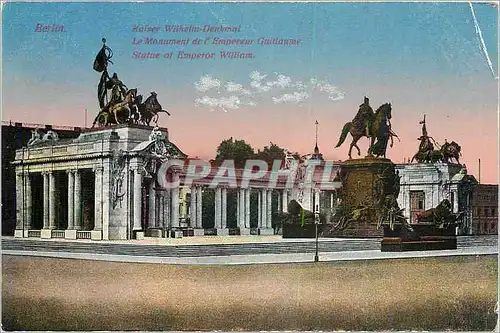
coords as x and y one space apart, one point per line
121 104
428 154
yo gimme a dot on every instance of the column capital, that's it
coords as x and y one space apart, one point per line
46 173
20 173
98 168
26 173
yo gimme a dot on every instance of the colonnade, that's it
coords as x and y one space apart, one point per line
49 198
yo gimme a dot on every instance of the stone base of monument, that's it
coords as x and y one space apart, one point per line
266 231
96 235
425 237
187 232
176 233
244 231
70 234
18 233
198 232
223 232
158 233
362 181
298 231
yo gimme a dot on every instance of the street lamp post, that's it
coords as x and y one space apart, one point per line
316 222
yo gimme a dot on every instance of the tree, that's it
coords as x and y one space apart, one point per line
271 153
237 150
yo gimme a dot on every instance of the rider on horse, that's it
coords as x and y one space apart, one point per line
366 112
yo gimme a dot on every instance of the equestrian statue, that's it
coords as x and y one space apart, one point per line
124 105
374 125
447 153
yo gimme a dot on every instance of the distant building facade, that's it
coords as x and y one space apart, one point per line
485 209
425 185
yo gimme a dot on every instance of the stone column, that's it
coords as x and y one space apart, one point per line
29 202
238 225
247 208
242 209
52 201
98 198
224 208
244 212
45 200
221 211
152 206
264 208
175 203
455 201
161 209
264 228
78 201
285 201
137 199
218 208
167 208
199 202
20 203
259 207
192 207
71 200
269 209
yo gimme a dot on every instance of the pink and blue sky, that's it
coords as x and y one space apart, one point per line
421 57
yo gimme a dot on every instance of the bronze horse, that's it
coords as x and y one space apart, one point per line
149 109
445 154
378 128
110 114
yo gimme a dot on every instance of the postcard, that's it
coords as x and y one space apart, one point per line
249 166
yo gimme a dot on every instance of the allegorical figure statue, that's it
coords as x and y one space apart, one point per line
122 105
425 140
101 65
118 89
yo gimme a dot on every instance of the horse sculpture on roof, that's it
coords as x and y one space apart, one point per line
124 105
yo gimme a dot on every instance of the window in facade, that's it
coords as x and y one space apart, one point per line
417 204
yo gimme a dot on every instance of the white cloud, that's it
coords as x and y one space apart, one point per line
256 76
259 87
225 103
236 87
250 94
337 96
281 82
206 83
295 97
333 92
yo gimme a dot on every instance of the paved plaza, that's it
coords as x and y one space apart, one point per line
233 250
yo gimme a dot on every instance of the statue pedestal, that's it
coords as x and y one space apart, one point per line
425 237
365 184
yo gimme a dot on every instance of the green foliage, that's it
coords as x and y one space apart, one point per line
271 153
237 150
240 151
